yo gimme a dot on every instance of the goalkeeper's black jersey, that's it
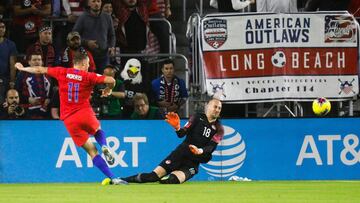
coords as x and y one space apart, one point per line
201 133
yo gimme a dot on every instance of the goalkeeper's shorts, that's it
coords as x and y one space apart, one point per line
176 161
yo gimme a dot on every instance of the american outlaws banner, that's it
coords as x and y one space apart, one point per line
280 57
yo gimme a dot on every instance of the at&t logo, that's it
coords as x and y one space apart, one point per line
229 155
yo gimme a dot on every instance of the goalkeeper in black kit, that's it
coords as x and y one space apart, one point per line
203 132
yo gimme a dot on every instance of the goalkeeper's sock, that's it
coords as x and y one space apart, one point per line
171 179
100 137
99 162
132 179
142 178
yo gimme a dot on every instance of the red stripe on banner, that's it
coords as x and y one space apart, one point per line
281 61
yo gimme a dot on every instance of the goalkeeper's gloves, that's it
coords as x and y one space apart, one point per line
195 150
173 119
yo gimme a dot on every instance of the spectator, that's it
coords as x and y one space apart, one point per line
164 7
169 90
97 32
107 7
12 109
354 9
133 83
276 6
230 5
327 5
2 9
55 106
159 28
301 5
28 16
133 34
74 46
8 54
55 8
35 90
111 106
70 9
133 25
44 46
73 9
142 109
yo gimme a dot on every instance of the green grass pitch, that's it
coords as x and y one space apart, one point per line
197 192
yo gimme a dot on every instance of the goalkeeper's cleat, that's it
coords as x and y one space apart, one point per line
118 181
108 156
106 181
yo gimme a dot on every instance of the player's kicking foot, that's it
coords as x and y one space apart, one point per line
106 181
114 181
108 156
118 181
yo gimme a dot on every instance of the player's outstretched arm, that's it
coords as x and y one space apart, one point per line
31 69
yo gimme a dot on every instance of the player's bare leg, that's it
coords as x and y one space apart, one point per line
154 176
90 148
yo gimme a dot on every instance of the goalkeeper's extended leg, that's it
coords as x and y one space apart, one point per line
170 179
154 176
143 178
177 177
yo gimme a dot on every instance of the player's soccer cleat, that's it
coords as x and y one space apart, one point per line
108 156
118 181
106 181
114 181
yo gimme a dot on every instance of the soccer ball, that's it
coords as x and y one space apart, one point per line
278 59
321 106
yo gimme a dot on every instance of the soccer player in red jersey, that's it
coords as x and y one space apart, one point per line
75 86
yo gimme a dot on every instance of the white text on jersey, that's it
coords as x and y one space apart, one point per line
74 77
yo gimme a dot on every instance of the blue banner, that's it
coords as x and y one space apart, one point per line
259 149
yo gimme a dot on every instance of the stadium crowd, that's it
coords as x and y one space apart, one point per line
50 32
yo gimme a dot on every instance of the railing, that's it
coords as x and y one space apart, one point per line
171 36
172 39
193 34
200 8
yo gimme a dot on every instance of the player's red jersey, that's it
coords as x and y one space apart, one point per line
75 87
